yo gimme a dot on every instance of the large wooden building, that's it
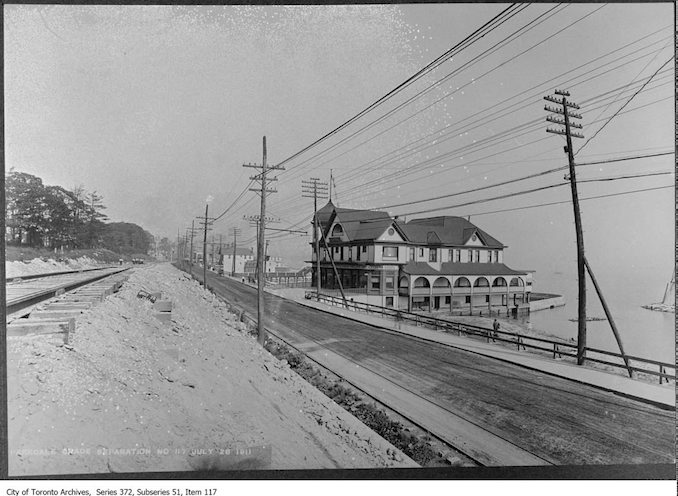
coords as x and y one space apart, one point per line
436 263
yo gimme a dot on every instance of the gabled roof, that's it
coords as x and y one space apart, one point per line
358 225
460 269
449 229
227 251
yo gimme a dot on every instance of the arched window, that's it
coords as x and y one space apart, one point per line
516 281
499 281
481 282
337 230
462 282
441 282
404 282
421 282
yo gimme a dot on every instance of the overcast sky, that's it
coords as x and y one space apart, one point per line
156 108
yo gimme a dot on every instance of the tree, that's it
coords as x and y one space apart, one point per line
25 198
95 219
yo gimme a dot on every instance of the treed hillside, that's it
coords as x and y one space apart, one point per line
127 238
39 216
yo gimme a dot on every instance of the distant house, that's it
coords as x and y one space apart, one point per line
436 263
242 256
272 265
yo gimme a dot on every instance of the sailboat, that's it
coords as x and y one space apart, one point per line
668 303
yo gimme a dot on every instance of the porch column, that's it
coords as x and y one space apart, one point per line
489 296
470 298
430 297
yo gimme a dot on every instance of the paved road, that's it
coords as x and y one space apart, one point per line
554 419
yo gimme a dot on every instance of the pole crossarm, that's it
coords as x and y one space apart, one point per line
286 230
548 108
558 120
564 133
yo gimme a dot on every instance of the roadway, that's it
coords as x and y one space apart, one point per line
552 420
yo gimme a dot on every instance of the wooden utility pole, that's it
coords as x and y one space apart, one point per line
177 249
263 191
608 314
234 232
315 189
205 223
190 254
581 275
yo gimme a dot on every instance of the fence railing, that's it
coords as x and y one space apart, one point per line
557 349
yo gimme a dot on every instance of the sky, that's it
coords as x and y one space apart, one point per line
158 107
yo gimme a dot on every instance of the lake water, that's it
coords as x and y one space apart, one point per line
644 333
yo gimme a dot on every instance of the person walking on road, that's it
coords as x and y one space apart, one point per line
495 326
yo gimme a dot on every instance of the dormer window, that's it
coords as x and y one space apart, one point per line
390 252
337 230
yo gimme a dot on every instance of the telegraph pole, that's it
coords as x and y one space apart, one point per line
205 223
581 274
254 221
263 191
314 188
234 232
177 250
190 255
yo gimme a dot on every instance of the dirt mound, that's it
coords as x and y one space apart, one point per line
133 394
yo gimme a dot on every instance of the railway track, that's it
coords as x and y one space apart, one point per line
25 292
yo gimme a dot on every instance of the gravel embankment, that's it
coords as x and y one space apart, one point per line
133 394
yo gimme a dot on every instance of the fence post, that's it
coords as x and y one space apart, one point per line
661 371
555 348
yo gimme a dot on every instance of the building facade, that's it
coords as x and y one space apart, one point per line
432 264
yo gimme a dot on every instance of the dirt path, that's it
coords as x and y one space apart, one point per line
134 394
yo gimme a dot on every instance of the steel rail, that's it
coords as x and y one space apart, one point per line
23 302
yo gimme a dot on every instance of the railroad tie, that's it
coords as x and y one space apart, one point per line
56 331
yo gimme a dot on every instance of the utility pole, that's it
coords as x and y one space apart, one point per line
177 250
254 221
234 232
190 254
205 223
314 188
581 274
221 253
263 191
265 257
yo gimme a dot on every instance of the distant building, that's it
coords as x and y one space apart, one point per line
436 263
242 256
272 265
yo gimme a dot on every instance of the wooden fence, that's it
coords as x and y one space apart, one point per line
557 349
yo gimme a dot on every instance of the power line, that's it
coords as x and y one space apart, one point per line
621 159
451 154
623 106
568 201
433 85
439 60
508 99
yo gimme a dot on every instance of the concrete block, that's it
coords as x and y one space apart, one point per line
163 305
